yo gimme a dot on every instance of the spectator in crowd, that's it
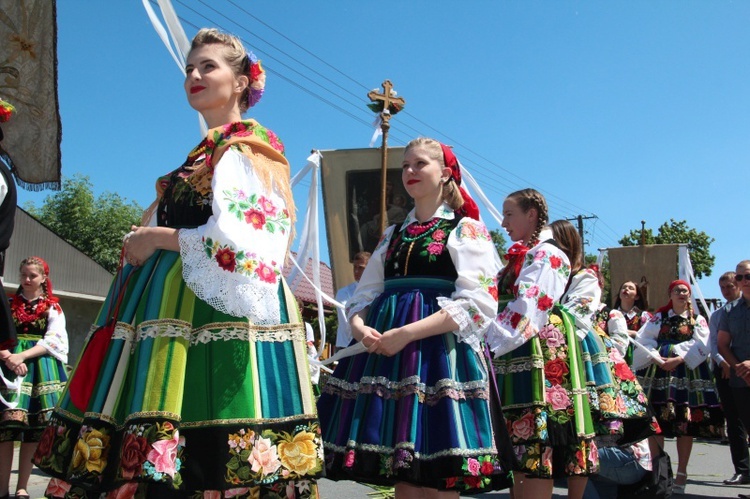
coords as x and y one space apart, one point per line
736 432
344 331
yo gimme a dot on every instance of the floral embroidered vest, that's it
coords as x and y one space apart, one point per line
422 255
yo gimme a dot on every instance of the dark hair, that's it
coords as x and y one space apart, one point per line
567 238
640 299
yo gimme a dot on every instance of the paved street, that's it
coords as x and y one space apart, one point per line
709 466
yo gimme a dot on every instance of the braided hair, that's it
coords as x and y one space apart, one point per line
531 198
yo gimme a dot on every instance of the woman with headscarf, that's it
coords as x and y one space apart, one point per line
414 411
679 387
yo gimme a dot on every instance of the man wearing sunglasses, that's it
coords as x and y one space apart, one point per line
734 345
736 433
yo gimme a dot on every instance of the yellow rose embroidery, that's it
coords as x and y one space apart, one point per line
299 455
606 403
91 451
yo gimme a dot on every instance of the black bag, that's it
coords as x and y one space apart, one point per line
656 484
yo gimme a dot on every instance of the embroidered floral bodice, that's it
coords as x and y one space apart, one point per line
47 327
539 284
421 250
688 341
447 247
234 232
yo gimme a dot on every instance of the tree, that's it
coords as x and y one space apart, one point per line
674 232
498 239
93 225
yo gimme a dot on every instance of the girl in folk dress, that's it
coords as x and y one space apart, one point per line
203 388
39 357
631 302
415 410
680 390
538 359
619 406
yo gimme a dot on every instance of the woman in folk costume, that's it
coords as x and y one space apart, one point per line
203 389
39 358
680 390
618 405
632 304
538 359
414 411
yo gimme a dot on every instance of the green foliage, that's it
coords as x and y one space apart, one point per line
498 239
674 232
94 225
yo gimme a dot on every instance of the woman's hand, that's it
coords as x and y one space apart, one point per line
670 364
14 360
391 342
138 245
21 370
367 335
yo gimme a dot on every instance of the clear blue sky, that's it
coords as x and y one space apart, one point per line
632 111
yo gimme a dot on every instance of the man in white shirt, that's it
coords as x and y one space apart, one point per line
344 332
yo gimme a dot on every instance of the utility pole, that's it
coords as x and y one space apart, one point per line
580 219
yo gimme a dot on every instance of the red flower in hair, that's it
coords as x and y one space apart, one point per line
255 71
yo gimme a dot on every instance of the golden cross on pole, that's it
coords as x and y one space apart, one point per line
389 101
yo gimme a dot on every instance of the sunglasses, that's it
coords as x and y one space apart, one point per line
739 277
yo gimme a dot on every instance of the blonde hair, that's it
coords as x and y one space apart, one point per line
451 194
531 198
234 53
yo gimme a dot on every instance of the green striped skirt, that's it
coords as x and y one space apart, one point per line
178 398
40 390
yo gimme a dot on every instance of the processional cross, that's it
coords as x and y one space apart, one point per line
388 104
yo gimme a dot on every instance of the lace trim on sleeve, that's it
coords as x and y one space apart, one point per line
227 292
466 327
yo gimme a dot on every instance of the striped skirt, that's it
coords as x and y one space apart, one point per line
545 402
685 400
178 398
41 388
421 416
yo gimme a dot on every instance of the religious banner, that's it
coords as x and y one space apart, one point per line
351 200
652 267
28 81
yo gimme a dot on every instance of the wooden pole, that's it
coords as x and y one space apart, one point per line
384 126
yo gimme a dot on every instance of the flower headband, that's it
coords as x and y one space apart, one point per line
257 79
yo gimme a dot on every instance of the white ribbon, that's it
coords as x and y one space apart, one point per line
471 182
13 386
309 248
355 349
378 131
651 353
179 39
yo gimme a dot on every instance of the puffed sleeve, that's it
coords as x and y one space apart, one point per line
234 261
695 350
617 329
371 284
55 339
474 303
540 284
646 336
582 300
